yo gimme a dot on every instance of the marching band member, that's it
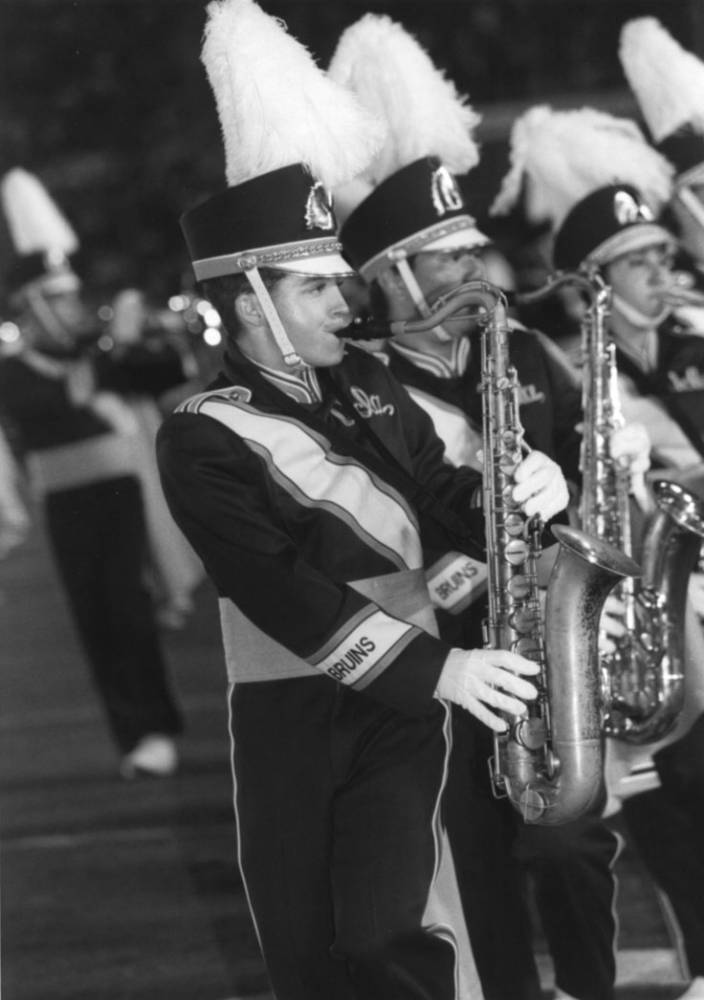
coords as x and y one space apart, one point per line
413 240
668 83
75 431
600 185
174 569
309 483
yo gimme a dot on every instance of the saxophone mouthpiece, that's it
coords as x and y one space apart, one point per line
366 328
680 291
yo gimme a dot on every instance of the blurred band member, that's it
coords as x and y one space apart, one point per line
63 398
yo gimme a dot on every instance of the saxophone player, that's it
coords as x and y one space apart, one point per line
605 186
310 484
404 238
670 103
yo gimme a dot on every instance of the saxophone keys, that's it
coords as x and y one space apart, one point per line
525 620
519 587
517 551
529 647
531 733
532 804
647 642
513 524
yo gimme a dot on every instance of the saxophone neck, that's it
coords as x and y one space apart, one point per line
589 281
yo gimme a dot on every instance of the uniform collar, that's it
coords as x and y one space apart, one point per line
302 386
445 368
644 353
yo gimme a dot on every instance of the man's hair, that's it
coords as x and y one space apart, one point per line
222 292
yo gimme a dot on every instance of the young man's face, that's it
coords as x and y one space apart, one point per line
62 319
440 271
312 310
636 277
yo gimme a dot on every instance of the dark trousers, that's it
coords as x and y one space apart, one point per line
667 827
336 801
97 536
498 856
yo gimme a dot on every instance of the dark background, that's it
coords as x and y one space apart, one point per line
106 100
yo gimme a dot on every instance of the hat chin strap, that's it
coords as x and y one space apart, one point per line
288 353
414 290
635 317
49 321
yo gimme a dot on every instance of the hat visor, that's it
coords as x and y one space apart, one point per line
636 237
329 265
469 239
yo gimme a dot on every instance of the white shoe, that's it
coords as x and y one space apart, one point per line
695 990
154 756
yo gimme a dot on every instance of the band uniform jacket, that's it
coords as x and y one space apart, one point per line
303 527
549 400
673 391
67 443
549 396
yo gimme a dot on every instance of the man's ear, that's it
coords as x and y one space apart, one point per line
248 310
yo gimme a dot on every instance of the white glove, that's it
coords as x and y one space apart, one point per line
611 624
540 486
476 678
632 444
696 592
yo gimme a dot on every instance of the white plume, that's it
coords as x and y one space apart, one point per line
276 106
396 80
667 81
35 222
559 157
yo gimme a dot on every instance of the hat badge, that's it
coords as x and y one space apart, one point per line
444 191
319 209
627 210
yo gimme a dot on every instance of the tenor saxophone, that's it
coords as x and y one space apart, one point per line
549 761
643 679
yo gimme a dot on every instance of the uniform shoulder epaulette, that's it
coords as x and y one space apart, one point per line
231 394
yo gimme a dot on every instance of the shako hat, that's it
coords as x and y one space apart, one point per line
408 199
418 208
281 219
608 222
290 135
668 83
593 177
42 239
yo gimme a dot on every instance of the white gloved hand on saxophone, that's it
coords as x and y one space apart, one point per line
486 680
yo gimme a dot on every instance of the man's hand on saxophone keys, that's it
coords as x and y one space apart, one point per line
612 624
486 681
540 486
630 445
